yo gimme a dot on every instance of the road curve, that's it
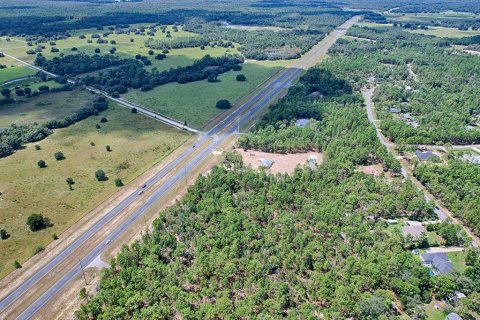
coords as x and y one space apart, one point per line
206 143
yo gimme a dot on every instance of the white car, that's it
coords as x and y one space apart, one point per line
108 241
140 192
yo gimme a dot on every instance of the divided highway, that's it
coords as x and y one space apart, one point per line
193 156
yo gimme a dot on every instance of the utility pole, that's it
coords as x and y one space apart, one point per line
83 272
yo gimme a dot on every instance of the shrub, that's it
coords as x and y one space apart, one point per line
103 120
118 182
241 77
38 249
17 264
37 147
134 110
3 234
108 148
100 175
36 222
41 164
223 104
54 236
97 50
59 156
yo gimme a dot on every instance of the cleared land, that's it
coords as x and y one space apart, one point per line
43 108
137 143
282 163
194 102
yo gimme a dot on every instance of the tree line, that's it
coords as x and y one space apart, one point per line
132 74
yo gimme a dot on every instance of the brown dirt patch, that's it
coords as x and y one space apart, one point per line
282 163
374 169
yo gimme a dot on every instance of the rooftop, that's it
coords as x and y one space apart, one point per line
424 155
302 122
414 231
438 261
453 316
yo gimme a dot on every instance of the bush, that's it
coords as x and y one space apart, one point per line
103 120
37 147
3 234
36 222
237 67
108 148
97 50
17 264
38 249
134 110
54 236
241 77
41 164
59 156
118 183
223 104
151 52
100 175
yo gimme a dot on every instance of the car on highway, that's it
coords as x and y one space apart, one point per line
108 241
144 186
140 192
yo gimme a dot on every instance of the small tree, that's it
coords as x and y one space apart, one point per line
70 182
36 222
151 52
37 147
103 120
223 104
59 156
3 234
212 78
108 148
17 264
41 164
54 236
134 110
241 77
97 50
118 183
6 92
100 175
98 126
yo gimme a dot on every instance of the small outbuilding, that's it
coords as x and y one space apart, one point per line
395 110
266 163
302 122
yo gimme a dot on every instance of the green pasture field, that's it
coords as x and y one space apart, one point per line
12 73
43 108
137 143
195 102
446 32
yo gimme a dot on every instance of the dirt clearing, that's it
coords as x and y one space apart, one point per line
282 163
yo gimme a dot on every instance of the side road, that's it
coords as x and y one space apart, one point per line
406 171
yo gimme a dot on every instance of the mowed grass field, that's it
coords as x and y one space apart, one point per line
45 107
195 102
137 143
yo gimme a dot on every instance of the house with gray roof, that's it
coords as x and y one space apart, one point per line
415 231
266 163
453 316
438 262
424 155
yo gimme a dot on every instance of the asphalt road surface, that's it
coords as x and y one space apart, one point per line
206 143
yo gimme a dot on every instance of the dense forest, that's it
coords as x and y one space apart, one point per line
435 102
247 244
457 185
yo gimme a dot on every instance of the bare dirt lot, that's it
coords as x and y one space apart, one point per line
282 163
374 169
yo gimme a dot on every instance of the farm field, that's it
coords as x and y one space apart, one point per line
189 102
45 107
137 143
